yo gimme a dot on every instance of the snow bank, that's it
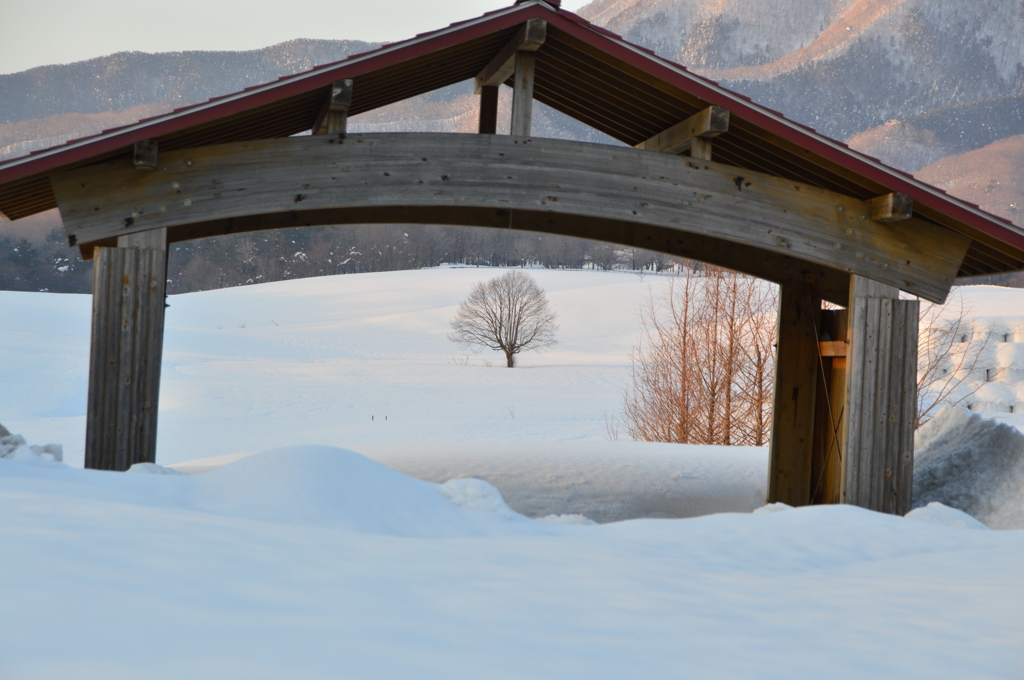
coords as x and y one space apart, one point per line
599 480
14 447
973 464
327 486
303 485
312 562
937 513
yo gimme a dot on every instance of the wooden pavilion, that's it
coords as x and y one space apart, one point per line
704 173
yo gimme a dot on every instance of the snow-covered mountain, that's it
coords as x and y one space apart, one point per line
841 66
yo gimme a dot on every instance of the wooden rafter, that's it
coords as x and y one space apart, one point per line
693 134
333 118
529 39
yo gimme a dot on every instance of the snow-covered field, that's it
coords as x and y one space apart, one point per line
310 560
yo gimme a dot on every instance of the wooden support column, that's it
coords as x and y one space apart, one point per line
127 343
881 398
489 109
522 94
796 383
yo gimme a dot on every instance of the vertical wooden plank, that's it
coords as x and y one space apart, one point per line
103 359
793 414
155 283
880 436
522 94
125 364
894 422
908 337
489 109
854 401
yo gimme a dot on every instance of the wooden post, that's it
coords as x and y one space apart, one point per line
522 94
881 398
127 343
793 413
489 109
333 118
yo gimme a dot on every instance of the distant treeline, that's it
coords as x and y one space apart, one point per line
259 257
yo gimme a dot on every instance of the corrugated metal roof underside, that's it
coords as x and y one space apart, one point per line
574 77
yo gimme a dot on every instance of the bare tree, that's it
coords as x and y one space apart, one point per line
704 370
508 313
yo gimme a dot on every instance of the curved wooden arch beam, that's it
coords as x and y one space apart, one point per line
710 211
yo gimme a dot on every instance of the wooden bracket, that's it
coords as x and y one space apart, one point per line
693 134
3 217
333 118
145 155
891 208
529 39
833 348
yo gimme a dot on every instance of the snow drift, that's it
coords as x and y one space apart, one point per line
973 464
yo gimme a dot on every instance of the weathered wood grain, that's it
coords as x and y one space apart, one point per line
421 175
529 39
881 398
793 411
124 365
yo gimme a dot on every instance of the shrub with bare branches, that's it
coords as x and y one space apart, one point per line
704 370
948 354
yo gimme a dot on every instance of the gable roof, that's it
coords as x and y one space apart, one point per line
584 71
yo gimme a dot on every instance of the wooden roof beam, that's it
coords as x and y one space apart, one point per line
145 155
693 134
333 118
529 39
445 177
891 208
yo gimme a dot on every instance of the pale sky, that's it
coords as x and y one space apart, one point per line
39 32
